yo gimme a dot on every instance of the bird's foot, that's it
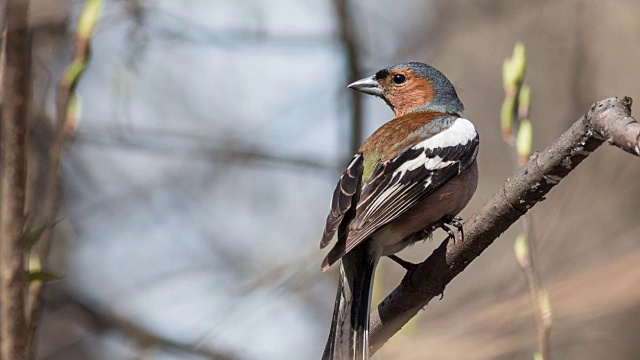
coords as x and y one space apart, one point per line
444 224
456 222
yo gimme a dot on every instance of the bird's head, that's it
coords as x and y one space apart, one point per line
412 87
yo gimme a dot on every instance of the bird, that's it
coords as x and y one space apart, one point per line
413 175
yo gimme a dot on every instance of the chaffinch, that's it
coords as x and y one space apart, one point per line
413 175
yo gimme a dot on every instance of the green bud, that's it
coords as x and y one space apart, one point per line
74 106
524 99
506 119
509 77
89 18
73 72
42 276
519 62
513 69
524 141
521 248
74 109
545 305
34 264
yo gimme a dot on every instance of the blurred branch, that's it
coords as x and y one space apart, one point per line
515 113
189 146
348 37
608 120
171 26
15 110
142 337
67 112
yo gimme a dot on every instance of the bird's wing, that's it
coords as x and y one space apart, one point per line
400 183
343 197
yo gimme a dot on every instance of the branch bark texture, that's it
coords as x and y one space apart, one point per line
607 120
15 86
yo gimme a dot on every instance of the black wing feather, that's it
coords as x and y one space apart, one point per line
390 192
343 198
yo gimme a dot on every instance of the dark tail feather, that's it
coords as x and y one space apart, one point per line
349 335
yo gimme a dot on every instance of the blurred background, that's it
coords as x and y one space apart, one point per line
212 134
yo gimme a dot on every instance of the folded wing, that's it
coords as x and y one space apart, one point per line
405 180
343 196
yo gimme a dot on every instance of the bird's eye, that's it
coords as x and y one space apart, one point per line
399 79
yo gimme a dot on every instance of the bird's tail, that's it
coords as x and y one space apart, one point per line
349 335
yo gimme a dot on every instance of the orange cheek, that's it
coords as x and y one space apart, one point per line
410 97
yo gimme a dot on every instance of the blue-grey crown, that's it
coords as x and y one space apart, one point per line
446 99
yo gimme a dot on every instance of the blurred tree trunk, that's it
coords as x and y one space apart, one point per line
15 100
348 37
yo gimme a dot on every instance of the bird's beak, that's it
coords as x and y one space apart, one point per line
368 85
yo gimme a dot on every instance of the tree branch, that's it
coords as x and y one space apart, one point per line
15 84
99 321
66 121
199 147
607 120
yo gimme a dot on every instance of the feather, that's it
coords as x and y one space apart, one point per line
402 182
348 185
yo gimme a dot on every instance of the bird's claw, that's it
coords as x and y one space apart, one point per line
444 224
456 222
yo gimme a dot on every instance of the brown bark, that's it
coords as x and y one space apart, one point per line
607 120
15 86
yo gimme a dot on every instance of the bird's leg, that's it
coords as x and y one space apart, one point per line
450 234
454 221
409 266
435 226
422 235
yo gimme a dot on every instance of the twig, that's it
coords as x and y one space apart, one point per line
608 120
16 88
536 293
66 124
515 121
